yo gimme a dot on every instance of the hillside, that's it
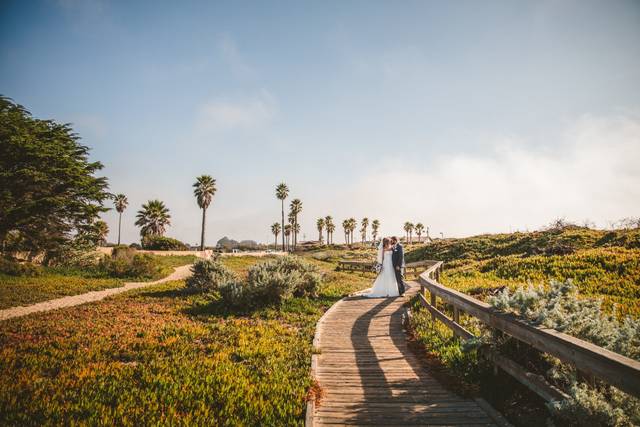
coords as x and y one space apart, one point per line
601 263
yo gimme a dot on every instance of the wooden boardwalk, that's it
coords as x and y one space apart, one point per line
369 376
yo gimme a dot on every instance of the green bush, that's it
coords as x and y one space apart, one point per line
273 282
129 265
209 276
559 307
15 268
162 243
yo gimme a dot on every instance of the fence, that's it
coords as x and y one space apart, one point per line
612 368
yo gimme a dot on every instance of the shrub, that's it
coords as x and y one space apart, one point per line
162 243
304 275
210 275
559 307
128 264
273 282
15 268
135 246
123 252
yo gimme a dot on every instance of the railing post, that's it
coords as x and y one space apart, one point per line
456 314
433 303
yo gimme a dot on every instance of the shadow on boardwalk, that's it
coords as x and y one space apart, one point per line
371 377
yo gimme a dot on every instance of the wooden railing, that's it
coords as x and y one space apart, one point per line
412 269
589 359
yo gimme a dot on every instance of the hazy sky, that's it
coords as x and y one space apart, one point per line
470 117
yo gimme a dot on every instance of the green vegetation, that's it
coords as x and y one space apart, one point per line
161 243
153 218
164 355
120 202
600 263
35 284
580 281
204 189
49 196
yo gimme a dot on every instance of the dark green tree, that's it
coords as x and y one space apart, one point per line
48 189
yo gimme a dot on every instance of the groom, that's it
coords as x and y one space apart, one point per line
397 258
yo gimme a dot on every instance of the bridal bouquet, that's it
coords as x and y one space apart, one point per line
377 268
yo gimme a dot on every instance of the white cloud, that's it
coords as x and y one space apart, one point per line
224 114
592 172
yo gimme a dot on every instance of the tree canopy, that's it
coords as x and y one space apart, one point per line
48 189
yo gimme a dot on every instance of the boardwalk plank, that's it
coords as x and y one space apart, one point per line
369 376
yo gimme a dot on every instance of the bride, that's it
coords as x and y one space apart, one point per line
385 284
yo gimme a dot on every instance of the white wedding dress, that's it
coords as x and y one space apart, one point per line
385 284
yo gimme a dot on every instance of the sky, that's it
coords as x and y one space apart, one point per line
470 117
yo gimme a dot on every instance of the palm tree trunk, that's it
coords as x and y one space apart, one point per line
204 214
275 244
283 249
119 224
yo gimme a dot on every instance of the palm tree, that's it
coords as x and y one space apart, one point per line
282 191
320 227
153 218
120 201
363 230
296 208
275 229
101 230
352 226
346 227
419 229
287 233
408 228
328 223
204 188
375 226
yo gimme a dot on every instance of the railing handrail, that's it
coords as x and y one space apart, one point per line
613 368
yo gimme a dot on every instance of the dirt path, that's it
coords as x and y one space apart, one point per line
178 274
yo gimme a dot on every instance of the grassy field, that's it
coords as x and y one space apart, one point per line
604 264
59 282
163 355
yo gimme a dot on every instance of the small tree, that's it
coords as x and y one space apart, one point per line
408 228
363 230
419 230
153 218
328 223
320 227
375 227
120 202
282 191
275 229
345 227
295 209
287 234
204 188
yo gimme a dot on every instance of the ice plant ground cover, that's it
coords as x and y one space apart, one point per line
164 355
49 283
600 263
583 282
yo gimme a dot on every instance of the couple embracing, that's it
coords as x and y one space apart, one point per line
390 280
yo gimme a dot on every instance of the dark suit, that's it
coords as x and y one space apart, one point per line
397 259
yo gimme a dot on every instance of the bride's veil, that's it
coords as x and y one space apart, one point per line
380 250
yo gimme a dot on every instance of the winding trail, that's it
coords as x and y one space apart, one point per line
369 376
178 274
